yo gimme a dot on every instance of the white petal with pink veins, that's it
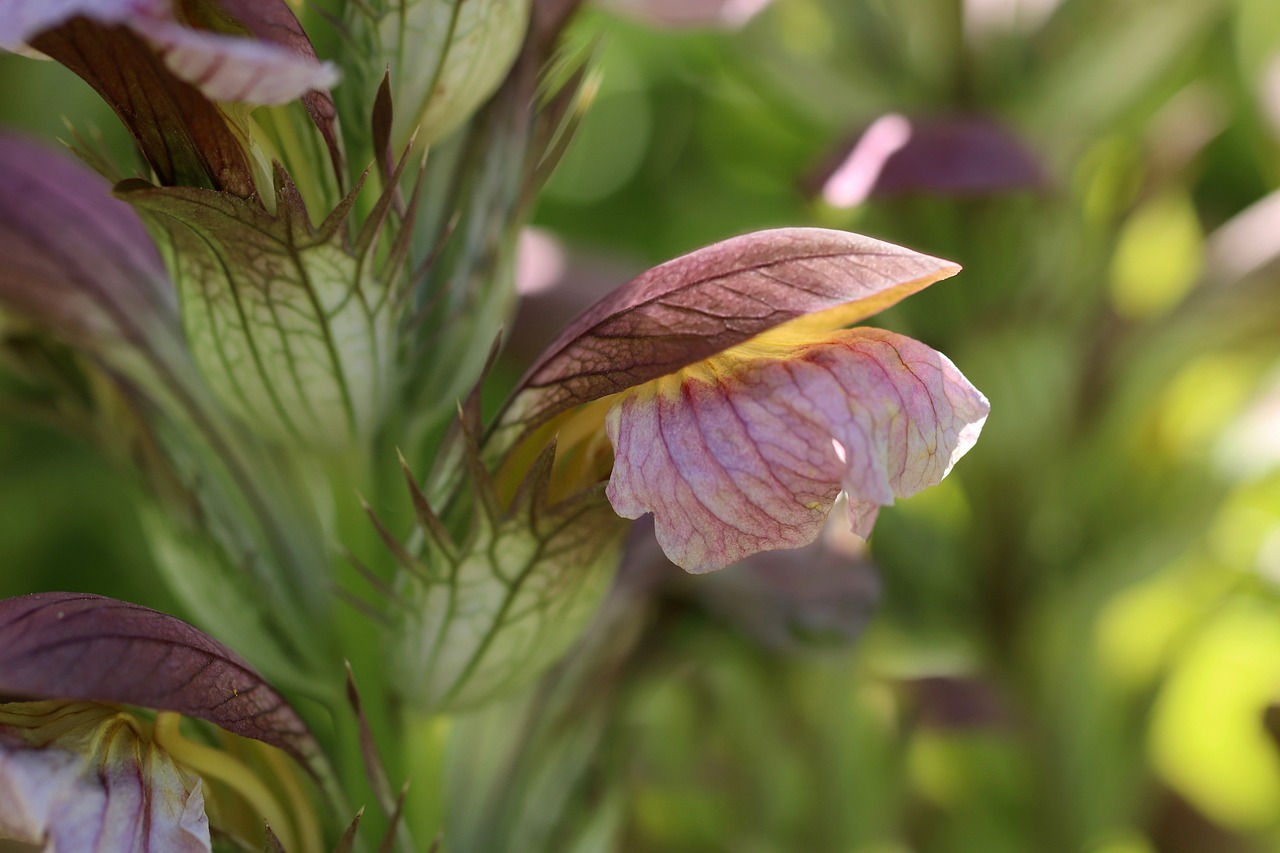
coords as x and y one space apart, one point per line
228 68
81 776
748 453
22 20
223 67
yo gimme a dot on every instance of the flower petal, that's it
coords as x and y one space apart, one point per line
184 137
82 777
23 20
274 70
73 258
228 68
60 645
274 22
741 456
703 303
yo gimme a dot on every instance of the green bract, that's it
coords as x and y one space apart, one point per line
292 328
490 608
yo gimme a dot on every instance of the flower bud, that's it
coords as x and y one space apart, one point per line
79 772
446 58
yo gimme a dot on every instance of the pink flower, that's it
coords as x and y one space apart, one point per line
737 404
80 772
165 68
268 69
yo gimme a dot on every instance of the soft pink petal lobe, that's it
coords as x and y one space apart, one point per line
22 20
748 454
226 68
223 67
964 155
85 777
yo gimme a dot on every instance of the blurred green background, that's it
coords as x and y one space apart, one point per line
1075 644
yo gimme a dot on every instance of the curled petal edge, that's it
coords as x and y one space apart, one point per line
747 454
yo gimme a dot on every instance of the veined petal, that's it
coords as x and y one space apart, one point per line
747 454
227 68
808 280
222 67
83 777
23 20
60 645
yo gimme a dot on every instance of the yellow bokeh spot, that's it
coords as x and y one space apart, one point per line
1158 256
1238 531
1202 399
1139 628
932 765
805 29
1207 738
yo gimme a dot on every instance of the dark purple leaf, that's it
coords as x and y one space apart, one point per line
60 645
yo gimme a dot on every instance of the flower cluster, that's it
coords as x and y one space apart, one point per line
292 288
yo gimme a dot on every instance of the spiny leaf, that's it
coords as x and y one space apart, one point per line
374 769
348 840
381 124
428 521
272 843
401 554
390 192
396 826
531 495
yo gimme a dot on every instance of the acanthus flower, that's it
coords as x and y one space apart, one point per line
80 771
737 403
182 77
